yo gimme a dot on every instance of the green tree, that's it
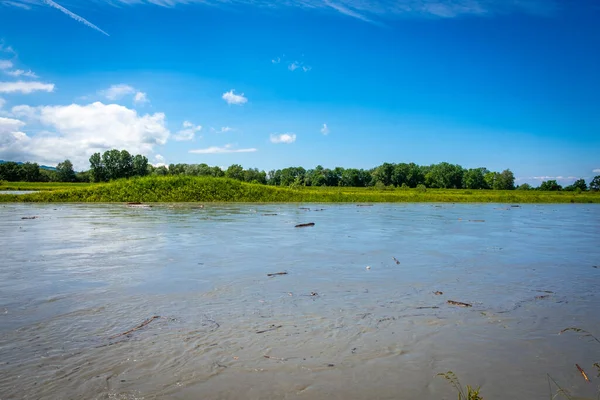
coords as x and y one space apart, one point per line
445 176
595 183
30 172
384 174
235 171
125 164
65 171
111 160
97 170
140 165
504 180
579 184
551 185
10 171
475 179
524 186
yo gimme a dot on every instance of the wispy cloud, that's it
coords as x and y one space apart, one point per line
5 64
116 92
325 129
228 148
547 178
283 138
2 103
276 60
371 11
232 98
188 132
25 87
20 72
223 129
140 98
73 15
596 171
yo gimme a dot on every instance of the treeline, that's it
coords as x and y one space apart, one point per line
115 164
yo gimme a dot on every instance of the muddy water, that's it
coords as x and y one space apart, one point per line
77 276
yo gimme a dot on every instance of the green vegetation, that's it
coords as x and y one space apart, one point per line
207 189
469 394
41 185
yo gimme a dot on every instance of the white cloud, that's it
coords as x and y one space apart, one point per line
283 138
73 15
596 171
25 87
228 148
140 98
116 92
365 10
299 65
2 102
325 130
6 64
293 66
77 131
188 132
20 72
232 98
224 129
276 60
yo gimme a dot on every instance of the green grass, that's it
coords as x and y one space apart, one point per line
206 189
41 185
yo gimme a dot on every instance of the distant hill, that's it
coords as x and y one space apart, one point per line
41 166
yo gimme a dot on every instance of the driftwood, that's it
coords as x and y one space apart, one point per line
304 208
140 326
364 205
35 217
544 296
273 328
275 358
424 308
396 261
438 293
305 225
269 215
459 303
277 273
582 373
477 220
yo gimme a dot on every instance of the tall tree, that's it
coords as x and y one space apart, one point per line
505 180
125 164
235 171
65 171
111 160
140 165
595 183
97 170
550 185
474 178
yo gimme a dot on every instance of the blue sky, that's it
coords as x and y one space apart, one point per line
350 83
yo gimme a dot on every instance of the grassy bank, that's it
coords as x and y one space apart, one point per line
204 189
41 185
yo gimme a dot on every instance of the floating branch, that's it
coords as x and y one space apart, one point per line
140 326
277 273
582 373
305 225
459 303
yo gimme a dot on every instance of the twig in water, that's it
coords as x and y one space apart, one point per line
459 303
277 273
582 331
396 261
273 328
582 373
275 358
305 225
140 326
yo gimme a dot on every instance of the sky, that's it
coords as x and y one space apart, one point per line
352 83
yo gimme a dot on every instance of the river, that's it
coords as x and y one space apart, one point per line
355 317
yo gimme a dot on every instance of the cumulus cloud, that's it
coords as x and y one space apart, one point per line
228 148
283 138
2 103
77 131
325 130
140 98
25 87
188 132
232 98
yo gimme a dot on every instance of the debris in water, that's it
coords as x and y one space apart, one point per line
331 365
140 326
305 225
544 296
314 293
438 293
424 308
269 215
34 217
582 372
364 205
304 208
368 267
515 206
459 303
277 273
477 220
272 328
275 358
396 260
595 266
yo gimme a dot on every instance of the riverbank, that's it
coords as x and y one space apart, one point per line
206 189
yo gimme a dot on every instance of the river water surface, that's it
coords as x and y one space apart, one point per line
77 277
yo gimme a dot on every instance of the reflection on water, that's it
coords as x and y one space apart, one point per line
80 274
